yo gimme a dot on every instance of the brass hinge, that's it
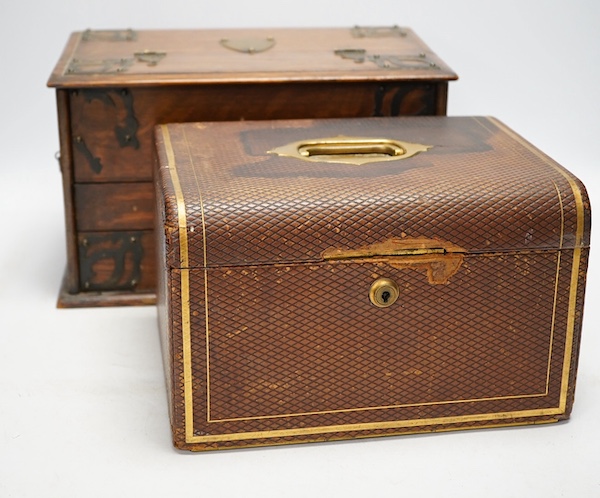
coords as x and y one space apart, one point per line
99 66
388 61
377 31
112 35
114 66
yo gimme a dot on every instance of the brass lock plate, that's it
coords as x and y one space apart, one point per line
384 292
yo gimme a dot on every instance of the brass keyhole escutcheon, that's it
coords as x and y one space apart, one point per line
384 292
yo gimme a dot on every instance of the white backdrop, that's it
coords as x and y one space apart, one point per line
82 397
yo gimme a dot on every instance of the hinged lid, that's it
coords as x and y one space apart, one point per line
138 58
247 193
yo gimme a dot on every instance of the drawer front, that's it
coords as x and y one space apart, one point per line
114 206
274 355
117 261
112 128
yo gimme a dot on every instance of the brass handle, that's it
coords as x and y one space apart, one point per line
350 150
384 292
371 149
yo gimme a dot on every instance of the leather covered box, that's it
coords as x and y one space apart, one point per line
333 279
112 87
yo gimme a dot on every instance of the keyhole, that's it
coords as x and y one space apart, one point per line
384 292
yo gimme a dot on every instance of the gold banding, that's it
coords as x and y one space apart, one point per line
350 150
579 234
184 282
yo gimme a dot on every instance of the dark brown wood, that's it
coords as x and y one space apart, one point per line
97 112
71 280
114 206
268 259
107 116
442 99
90 299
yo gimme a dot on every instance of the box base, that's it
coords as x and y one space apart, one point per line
330 438
103 299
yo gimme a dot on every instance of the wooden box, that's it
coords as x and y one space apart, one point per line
113 87
349 278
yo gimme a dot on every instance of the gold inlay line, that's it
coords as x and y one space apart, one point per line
562 233
185 287
432 403
573 291
188 393
205 264
181 210
395 424
446 428
576 260
388 407
562 215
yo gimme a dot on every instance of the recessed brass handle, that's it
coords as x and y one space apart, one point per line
371 149
350 150
384 292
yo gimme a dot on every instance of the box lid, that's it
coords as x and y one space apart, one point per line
249 193
142 58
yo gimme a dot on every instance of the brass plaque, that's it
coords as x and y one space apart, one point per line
249 45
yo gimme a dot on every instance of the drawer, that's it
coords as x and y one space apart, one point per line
114 206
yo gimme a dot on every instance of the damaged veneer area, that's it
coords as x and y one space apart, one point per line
440 259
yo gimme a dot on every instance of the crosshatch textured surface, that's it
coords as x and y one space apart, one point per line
265 341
